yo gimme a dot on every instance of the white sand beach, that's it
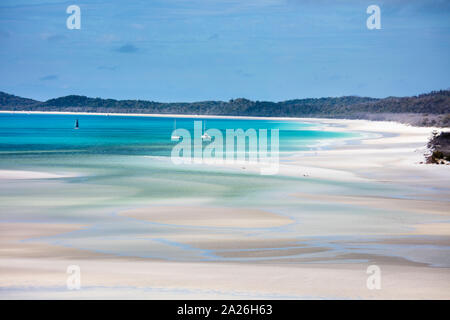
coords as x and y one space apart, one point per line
32 265
22 174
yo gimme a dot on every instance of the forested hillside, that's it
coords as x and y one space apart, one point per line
427 109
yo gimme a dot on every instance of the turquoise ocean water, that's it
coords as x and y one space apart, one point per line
133 135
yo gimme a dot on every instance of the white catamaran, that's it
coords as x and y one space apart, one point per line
205 136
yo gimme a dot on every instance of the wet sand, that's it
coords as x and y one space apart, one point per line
208 216
31 266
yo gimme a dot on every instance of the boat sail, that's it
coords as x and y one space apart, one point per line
175 137
205 136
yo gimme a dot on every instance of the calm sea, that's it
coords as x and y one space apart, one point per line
128 135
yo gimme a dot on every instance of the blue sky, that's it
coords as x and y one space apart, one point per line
194 50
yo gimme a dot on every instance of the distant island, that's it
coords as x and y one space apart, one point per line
430 109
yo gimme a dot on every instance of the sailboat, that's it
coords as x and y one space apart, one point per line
76 124
174 137
205 136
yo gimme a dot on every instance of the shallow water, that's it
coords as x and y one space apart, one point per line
133 135
123 163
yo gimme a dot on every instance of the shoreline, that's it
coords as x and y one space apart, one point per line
162 115
273 266
374 137
373 132
153 115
